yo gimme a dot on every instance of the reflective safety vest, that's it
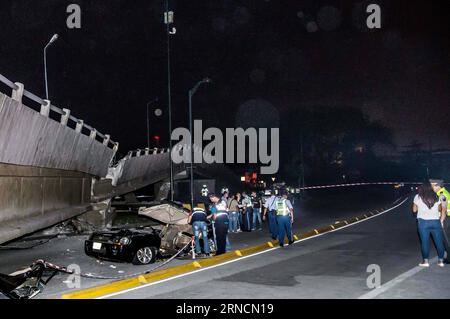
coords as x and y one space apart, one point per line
205 192
221 207
446 194
281 207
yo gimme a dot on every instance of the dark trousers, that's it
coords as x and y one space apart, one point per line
249 218
446 233
431 228
273 225
221 223
284 228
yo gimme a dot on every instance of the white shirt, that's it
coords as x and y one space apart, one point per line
269 204
426 213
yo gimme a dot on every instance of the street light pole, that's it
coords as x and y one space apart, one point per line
52 40
148 120
168 21
191 167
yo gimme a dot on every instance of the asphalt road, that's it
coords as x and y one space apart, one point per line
322 208
330 266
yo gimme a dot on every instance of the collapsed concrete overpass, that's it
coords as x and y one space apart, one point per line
54 166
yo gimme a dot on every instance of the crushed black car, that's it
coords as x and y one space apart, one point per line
143 245
137 246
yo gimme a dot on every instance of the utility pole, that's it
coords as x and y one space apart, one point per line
148 120
191 131
168 20
302 166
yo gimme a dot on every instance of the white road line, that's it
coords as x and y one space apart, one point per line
390 284
245 257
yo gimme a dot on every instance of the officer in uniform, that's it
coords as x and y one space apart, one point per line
247 212
198 219
221 222
444 197
285 218
270 213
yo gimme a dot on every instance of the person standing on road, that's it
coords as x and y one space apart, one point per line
285 218
444 196
240 220
233 213
256 203
221 222
431 214
198 219
270 213
247 211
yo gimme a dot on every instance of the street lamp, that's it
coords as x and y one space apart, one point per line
148 120
52 40
191 168
168 20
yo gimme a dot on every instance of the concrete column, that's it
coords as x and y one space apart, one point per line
65 117
155 151
147 151
93 134
45 108
107 139
138 153
17 94
79 126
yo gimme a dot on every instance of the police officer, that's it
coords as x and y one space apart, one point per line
444 197
221 222
285 218
270 212
198 219
247 211
256 203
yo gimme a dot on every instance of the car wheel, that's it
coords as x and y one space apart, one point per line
145 256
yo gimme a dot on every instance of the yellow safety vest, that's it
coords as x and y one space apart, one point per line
282 208
446 194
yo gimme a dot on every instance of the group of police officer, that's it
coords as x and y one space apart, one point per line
278 209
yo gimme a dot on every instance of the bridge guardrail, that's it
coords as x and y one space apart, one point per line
46 107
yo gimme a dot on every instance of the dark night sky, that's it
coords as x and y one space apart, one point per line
107 71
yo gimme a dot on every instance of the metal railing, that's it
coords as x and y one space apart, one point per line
147 151
46 107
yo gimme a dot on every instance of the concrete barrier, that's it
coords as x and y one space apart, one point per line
33 198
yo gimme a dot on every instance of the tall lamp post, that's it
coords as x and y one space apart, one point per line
148 120
52 40
168 20
191 167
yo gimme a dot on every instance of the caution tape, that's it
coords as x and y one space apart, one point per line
358 184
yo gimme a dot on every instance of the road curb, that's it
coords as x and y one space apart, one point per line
165 274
